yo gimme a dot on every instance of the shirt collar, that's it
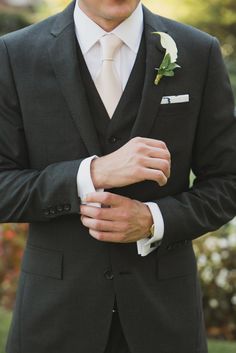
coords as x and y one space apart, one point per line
88 32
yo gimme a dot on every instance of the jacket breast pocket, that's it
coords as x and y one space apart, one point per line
175 109
178 262
42 262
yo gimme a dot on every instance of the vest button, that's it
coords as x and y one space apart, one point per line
113 139
108 274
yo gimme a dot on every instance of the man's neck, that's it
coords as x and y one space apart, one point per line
105 23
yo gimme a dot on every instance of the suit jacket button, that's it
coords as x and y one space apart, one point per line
52 211
108 274
59 208
67 208
46 212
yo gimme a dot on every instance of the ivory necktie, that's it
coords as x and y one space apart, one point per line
107 82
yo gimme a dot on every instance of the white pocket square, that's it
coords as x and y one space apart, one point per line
184 98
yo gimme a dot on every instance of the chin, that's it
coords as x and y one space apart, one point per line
121 9
120 12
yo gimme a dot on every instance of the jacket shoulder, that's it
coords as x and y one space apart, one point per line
34 31
186 34
39 32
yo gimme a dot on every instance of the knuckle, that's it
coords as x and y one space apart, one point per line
136 139
137 171
96 225
122 237
166 155
143 147
84 221
139 160
140 148
91 232
160 176
162 144
166 167
106 197
126 227
98 213
127 216
100 236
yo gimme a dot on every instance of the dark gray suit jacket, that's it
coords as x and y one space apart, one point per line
68 279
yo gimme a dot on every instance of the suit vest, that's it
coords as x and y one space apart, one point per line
115 132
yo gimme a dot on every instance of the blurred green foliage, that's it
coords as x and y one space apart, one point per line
11 21
216 254
217 17
12 243
5 318
216 346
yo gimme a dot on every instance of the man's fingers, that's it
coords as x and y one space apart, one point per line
105 198
152 148
100 225
108 236
158 164
159 153
155 175
150 142
108 214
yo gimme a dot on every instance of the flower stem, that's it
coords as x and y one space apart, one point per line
158 79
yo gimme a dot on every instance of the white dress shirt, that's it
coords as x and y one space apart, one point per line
130 32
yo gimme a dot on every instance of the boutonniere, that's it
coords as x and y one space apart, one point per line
169 63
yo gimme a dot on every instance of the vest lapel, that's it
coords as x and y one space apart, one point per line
152 94
64 60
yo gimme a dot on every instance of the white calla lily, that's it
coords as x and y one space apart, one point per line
169 63
169 44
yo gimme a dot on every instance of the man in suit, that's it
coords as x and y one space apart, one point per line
83 125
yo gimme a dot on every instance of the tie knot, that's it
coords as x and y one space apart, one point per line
110 44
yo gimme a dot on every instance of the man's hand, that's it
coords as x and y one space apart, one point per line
120 220
138 160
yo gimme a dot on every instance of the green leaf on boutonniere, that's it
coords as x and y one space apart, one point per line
168 64
169 73
173 66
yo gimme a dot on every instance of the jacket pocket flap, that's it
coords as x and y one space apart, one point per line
42 262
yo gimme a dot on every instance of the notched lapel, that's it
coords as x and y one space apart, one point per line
63 56
152 94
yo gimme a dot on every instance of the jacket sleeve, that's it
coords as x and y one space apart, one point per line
211 202
28 195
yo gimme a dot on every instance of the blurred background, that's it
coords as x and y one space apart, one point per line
216 252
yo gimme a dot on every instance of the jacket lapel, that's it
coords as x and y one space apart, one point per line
63 55
152 94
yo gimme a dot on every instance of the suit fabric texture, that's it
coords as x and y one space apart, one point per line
69 281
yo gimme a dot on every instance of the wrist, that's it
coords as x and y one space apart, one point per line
148 222
98 174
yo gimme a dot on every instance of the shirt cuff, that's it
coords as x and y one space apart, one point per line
84 180
146 246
